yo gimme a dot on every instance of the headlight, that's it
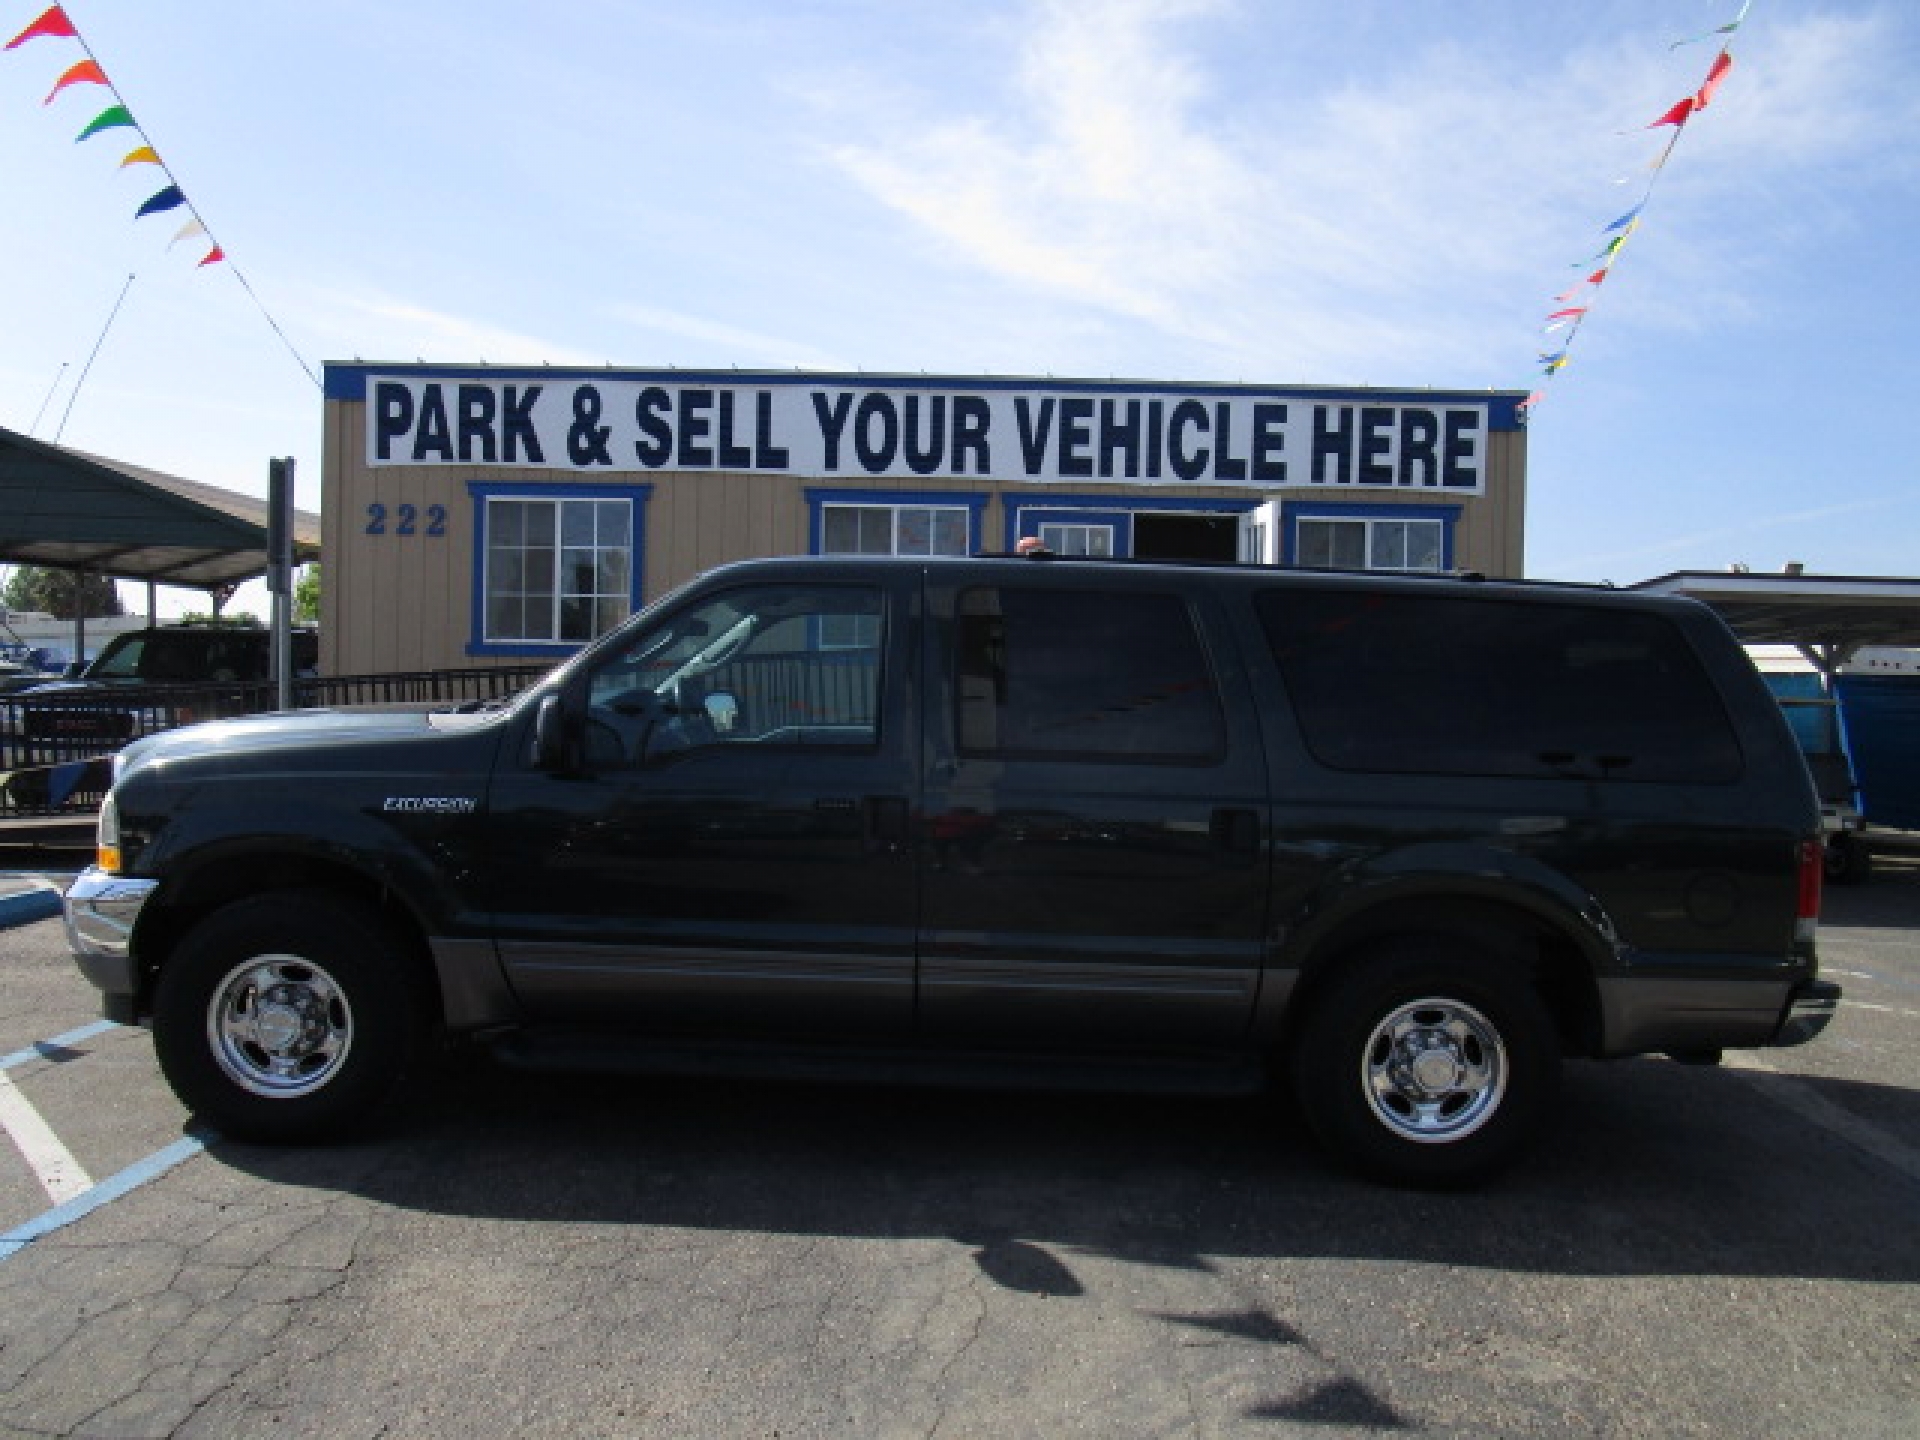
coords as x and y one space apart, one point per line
106 850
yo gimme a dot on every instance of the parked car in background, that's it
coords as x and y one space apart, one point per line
193 655
174 658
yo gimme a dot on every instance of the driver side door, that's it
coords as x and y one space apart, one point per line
730 852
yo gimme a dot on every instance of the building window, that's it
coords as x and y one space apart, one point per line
1095 540
894 530
1367 543
552 569
557 570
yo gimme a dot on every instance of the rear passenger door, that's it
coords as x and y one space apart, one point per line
1093 837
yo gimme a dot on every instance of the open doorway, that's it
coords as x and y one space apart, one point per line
1185 537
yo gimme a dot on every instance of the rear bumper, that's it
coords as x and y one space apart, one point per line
1655 1014
1810 1009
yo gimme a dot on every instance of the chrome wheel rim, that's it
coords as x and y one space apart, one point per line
1434 1071
279 1026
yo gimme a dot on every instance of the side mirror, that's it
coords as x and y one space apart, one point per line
554 746
723 710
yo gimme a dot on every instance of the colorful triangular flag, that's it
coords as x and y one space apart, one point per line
54 22
168 199
87 72
111 118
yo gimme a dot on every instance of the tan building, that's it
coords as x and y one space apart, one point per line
481 513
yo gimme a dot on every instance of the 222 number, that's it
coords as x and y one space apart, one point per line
406 520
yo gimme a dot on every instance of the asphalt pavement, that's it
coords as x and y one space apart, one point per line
1692 1252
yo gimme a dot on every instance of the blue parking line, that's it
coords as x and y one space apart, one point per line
110 1189
39 902
39 1049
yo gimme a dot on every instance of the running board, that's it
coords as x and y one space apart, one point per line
593 1051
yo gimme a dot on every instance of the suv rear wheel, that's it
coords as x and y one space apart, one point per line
1426 1064
284 1016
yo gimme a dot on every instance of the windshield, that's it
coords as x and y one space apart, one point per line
120 660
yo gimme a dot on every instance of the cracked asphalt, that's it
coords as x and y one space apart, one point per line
1723 1252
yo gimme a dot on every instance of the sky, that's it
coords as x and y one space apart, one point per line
1367 192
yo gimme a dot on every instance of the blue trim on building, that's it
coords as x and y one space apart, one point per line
481 491
1293 511
344 381
973 502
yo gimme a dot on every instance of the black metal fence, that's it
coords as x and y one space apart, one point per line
56 747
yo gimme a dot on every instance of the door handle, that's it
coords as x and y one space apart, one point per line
884 821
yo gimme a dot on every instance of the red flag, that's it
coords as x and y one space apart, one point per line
1678 114
216 253
1714 76
1576 310
86 72
54 22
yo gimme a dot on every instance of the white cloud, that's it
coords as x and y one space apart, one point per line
735 344
1412 217
377 327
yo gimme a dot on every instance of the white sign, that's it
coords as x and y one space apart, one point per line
825 430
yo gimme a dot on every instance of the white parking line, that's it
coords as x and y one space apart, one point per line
1810 1104
1882 1009
53 1165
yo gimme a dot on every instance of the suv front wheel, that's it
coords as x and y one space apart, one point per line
1425 1064
285 1016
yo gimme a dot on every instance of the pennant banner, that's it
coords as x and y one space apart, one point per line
1570 316
56 23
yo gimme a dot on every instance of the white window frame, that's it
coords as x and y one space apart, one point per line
897 518
557 593
1376 533
1066 538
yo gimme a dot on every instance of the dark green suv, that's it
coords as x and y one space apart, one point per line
195 655
1404 842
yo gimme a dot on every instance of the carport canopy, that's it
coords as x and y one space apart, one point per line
1828 618
72 511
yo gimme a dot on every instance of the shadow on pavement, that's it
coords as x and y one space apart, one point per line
1655 1169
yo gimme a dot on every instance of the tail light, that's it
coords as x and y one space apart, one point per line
1806 916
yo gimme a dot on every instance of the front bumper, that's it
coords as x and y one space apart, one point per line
101 912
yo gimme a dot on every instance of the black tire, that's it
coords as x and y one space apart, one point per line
286 1016
1490 1053
1847 860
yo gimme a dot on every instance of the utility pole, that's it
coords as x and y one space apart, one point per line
280 575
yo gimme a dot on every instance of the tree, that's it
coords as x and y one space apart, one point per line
239 620
306 596
58 592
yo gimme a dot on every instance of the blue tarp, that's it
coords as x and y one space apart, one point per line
1882 718
1812 723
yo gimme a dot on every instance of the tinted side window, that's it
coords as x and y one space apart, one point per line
1413 684
1085 675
